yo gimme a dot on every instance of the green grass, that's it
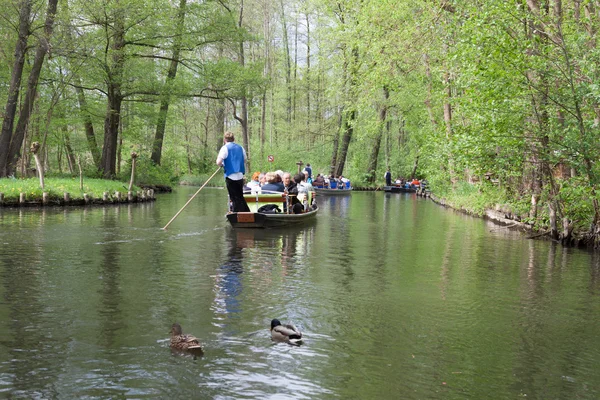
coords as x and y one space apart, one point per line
474 199
56 187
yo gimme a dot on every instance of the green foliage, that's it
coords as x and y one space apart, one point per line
147 173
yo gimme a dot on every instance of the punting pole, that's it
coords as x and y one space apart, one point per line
191 198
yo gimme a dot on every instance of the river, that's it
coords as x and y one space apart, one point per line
397 298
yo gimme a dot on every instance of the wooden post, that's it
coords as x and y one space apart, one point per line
21 198
151 193
86 198
143 195
66 197
299 164
35 146
133 157
105 197
118 196
80 173
45 198
130 196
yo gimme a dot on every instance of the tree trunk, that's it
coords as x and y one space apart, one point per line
288 65
90 135
85 113
308 138
14 86
429 92
374 157
346 137
30 95
166 98
243 119
336 145
69 150
220 124
350 114
114 98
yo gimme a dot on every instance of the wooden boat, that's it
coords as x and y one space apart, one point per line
333 192
334 189
255 219
399 189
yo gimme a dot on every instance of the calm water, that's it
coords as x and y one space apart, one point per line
398 298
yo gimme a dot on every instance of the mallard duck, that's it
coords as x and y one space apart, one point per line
285 333
179 341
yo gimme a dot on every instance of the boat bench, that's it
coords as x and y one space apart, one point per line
257 200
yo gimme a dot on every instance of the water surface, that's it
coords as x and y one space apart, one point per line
397 298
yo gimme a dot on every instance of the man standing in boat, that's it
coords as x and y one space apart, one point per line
388 177
232 158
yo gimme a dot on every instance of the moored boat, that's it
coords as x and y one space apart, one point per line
270 210
335 188
399 189
333 192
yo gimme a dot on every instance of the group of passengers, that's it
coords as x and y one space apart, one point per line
297 187
414 183
332 182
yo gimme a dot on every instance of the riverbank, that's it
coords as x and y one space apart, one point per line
510 220
69 191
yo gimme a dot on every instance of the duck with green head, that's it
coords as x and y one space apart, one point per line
285 333
181 341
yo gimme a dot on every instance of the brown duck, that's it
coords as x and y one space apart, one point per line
285 333
181 341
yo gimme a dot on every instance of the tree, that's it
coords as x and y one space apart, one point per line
6 136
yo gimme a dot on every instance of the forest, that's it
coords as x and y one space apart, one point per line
496 103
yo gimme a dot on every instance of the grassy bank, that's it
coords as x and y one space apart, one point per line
56 187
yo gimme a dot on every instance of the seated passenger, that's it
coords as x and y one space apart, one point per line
291 188
307 182
346 182
302 192
254 184
333 182
319 182
273 183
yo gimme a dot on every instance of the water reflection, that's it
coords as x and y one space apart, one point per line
110 275
28 334
396 297
228 281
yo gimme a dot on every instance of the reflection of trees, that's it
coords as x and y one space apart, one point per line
110 293
25 332
341 249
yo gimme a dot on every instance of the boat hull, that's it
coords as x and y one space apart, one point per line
263 220
333 192
398 189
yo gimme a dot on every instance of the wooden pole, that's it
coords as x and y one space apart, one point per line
35 146
191 198
133 157
80 173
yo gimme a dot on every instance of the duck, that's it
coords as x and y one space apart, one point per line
285 333
181 341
